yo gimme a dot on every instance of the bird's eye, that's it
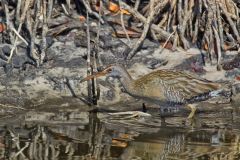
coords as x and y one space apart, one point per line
110 70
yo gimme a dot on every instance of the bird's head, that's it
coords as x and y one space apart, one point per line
115 71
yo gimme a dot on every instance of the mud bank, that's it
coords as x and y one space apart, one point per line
32 87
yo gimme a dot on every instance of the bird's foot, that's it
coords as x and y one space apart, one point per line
193 110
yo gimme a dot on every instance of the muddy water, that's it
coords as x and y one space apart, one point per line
76 134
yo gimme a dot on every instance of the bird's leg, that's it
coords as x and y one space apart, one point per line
193 110
144 108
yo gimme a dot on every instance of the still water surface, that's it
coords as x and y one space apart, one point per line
76 135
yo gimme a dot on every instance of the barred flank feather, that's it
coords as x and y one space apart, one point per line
178 86
166 86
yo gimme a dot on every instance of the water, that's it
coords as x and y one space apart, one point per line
76 135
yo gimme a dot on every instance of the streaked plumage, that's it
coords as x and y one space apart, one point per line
163 86
173 86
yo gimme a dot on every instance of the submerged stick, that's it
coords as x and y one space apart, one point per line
94 97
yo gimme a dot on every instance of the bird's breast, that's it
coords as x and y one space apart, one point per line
151 93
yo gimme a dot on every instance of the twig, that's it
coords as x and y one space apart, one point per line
89 88
196 25
8 20
179 11
220 27
89 10
19 2
70 87
170 16
175 42
164 45
94 97
231 23
64 9
122 22
145 31
163 34
218 47
98 61
23 16
33 30
153 10
19 36
190 22
136 5
44 32
164 19
50 8
69 5
181 28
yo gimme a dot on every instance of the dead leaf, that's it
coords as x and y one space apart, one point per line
237 78
2 27
113 7
82 18
205 46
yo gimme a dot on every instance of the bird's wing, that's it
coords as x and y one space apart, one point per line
180 86
189 85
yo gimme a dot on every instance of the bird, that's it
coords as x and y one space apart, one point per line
165 86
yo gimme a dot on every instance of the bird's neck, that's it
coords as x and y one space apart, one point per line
127 81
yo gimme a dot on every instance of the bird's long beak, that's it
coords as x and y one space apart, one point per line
95 75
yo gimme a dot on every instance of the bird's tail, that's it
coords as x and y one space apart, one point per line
215 93
235 88
228 90
221 92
